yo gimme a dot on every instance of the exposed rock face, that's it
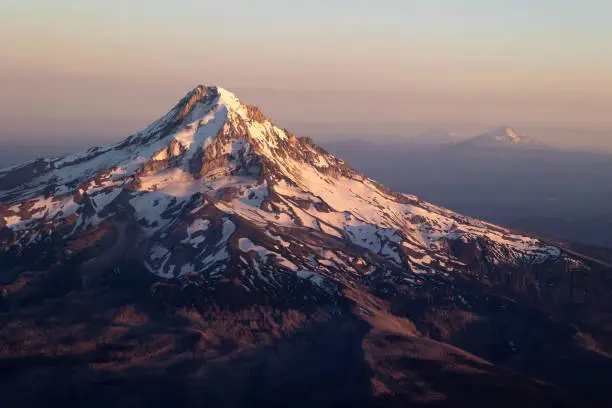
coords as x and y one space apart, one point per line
214 211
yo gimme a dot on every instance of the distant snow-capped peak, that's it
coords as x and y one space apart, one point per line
499 137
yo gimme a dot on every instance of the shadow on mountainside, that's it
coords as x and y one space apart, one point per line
322 366
117 345
116 341
569 345
575 357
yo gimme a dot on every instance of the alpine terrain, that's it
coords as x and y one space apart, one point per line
215 259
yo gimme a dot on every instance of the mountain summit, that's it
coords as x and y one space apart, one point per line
192 185
214 243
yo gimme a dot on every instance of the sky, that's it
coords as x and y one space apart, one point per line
102 69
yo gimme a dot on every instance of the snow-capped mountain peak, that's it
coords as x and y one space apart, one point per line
215 189
217 239
500 137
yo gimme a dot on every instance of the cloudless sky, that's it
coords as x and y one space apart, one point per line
105 68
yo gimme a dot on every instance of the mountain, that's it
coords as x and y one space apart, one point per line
503 136
216 257
213 166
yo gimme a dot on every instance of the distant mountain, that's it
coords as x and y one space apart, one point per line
216 257
503 136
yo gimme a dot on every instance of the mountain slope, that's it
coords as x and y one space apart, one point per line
213 216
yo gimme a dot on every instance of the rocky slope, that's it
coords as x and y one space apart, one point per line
213 242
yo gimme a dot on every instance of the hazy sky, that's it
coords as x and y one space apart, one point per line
104 68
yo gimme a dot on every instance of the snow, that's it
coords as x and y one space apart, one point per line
195 232
102 199
228 229
312 277
186 268
158 252
286 263
212 259
284 244
256 196
161 155
365 236
207 128
321 162
284 189
12 220
232 103
246 245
